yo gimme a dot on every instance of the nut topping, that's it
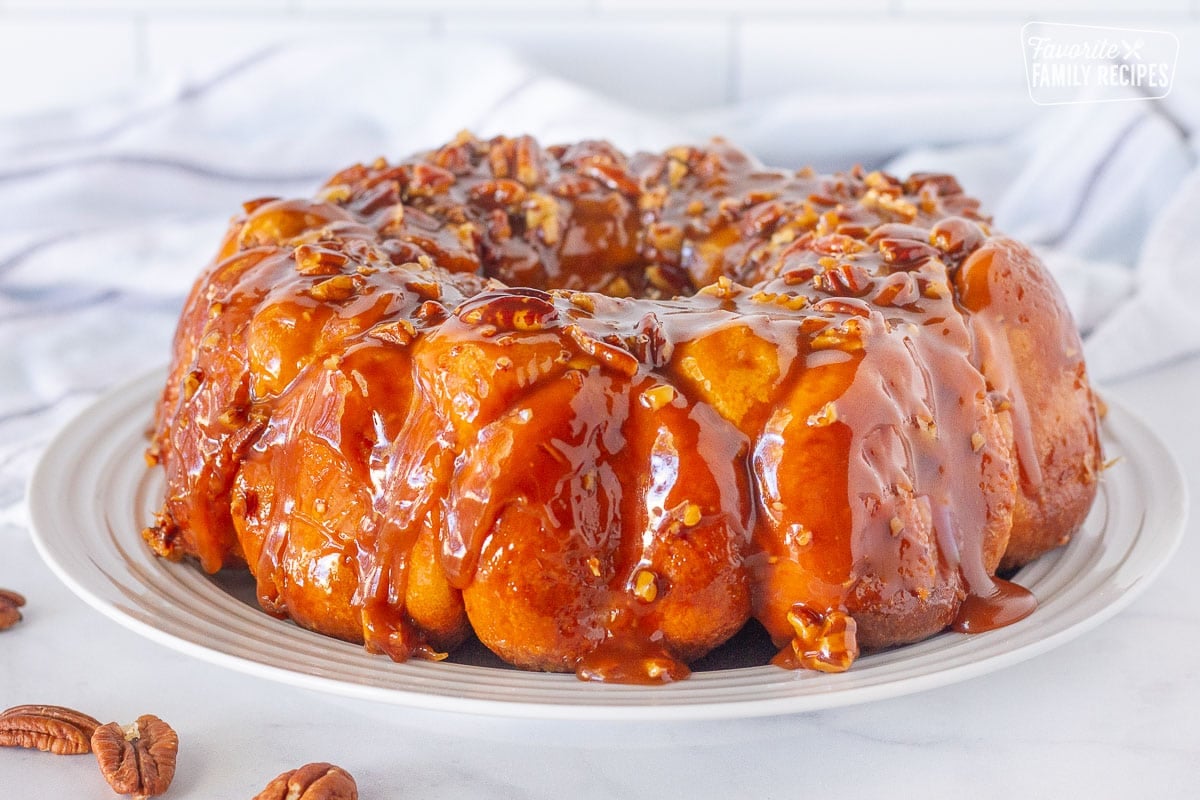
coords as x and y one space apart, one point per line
51 729
645 586
10 602
339 287
826 642
657 396
609 355
541 214
313 259
138 759
318 781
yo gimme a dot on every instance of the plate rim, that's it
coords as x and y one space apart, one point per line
1169 520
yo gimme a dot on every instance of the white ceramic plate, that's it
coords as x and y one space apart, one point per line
91 495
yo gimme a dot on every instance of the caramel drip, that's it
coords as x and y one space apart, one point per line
994 356
1003 605
599 409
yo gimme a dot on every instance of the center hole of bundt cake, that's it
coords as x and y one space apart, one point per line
650 281
639 280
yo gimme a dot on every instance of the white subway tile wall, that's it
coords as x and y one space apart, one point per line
191 46
778 56
48 60
652 61
660 54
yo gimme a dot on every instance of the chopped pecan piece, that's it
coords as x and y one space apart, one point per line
337 288
826 641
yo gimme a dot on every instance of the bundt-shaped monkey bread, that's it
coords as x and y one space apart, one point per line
601 410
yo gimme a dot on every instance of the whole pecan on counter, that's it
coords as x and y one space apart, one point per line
319 781
10 602
53 729
137 759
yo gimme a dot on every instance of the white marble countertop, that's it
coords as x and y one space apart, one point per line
1114 713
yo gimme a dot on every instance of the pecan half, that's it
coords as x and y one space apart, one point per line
9 603
138 759
52 729
318 781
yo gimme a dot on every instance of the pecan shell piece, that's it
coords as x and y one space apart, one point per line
10 604
51 729
138 759
319 781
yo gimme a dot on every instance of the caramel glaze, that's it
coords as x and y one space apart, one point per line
602 410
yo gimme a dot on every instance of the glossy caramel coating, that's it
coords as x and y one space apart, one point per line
1031 353
601 410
